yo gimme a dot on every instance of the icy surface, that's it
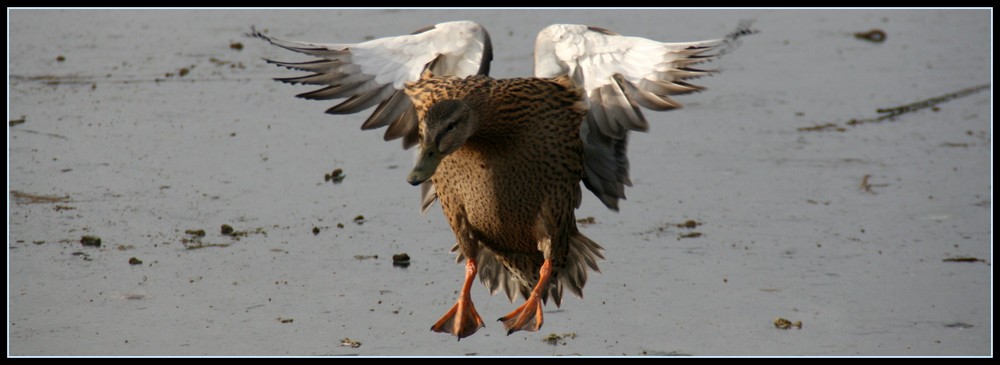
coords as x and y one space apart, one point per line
142 125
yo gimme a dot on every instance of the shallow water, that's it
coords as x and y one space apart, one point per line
116 143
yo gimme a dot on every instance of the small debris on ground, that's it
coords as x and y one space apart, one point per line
236 45
874 35
14 122
669 228
401 260
315 231
586 221
963 259
349 342
893 112
60 58
336 176
365 257
953 144
92 241
226 230
285 320
663 353
360 219
237 234
134 261
958 325
232 65
822 127
555 339
196 244
689 235
28 198
867 186
785 324
690 224
816 202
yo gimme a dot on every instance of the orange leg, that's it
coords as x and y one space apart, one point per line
528 316
462 320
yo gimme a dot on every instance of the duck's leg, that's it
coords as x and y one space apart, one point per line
528 317
462 320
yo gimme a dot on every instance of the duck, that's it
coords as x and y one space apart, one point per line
506 157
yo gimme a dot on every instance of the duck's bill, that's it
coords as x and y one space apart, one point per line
427 163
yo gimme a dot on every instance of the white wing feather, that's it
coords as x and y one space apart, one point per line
618 75
376 71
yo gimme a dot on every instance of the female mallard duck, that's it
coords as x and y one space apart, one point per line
506 157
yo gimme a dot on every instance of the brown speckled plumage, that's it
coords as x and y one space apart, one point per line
510 191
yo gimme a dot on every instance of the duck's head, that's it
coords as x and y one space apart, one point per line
447 125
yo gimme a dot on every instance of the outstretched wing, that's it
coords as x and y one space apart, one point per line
375 72
619 74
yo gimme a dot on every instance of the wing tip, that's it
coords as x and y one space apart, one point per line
744 28
733 39
254 33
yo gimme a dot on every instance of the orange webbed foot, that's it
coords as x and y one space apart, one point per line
527 317
462 320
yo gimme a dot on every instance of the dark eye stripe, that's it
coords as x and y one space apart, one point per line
451 126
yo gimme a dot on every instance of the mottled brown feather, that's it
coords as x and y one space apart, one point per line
510 191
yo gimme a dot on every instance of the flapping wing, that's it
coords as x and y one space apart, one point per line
619 75
375 72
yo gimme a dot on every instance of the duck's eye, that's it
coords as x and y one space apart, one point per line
451 127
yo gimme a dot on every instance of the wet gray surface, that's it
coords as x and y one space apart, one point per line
118 144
